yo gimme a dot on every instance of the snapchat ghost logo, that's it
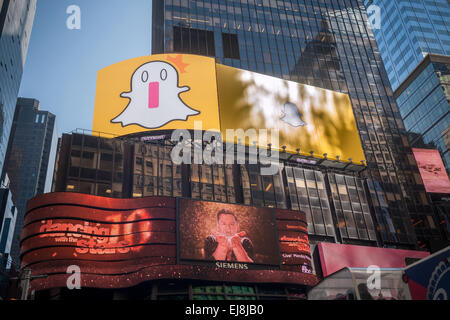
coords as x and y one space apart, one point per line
291 115
154 97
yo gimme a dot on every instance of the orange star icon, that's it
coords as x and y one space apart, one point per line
178 61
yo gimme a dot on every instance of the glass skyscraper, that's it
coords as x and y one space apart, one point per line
30 158
408 30
414 40
16 23
324 43
423 99
8 216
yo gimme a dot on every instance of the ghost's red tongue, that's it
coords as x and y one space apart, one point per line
153 95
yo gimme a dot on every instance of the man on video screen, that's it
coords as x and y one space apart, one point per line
227 243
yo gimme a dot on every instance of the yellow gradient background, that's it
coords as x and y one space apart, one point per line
199 75
252 100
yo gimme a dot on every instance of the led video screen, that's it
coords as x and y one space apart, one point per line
222 232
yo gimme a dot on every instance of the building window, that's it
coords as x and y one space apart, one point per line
212 182
262 191
154 172
307 193
195 41
230 46
96 167
352 209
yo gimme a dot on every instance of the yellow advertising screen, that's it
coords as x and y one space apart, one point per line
308 118
177 91
157 92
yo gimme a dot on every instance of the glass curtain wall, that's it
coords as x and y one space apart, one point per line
324 43
307 193
96 166
154 172
352 210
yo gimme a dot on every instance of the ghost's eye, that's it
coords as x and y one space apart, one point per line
163 74
144 76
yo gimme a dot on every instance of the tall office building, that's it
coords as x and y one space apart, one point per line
8 215
414 41
30 158
407 30
424 103
329 44
16 22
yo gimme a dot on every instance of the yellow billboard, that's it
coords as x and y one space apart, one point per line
179 91
157 92
307 118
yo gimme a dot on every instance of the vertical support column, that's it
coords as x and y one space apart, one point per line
25 283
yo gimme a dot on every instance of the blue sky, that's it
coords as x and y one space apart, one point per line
62 64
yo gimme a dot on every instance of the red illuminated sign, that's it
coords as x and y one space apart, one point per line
432 170
120 243
95 240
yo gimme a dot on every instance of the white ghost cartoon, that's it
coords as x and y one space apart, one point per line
154 97
291 115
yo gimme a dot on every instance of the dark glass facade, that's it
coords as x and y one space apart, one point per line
8 216
30 158
16 23
423 100
329 44
94 160
408 30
